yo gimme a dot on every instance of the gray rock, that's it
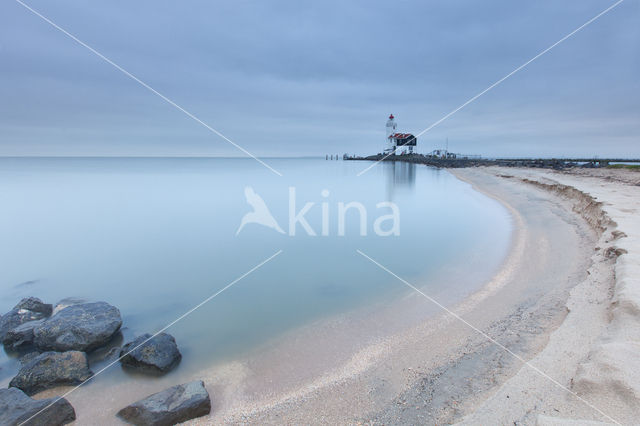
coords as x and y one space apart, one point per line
14 318
24 359
66 302
159 355
52 369
81 327
174 405
16 408
20 336
34 304
29 309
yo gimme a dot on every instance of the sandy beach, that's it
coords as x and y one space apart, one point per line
593 352
555 303
565 301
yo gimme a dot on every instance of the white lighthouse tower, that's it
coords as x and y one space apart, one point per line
391 130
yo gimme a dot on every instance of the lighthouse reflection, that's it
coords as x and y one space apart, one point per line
400 176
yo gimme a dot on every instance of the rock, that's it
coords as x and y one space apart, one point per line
16 408
24 359
34 304
158 355
81 327
29 309
20 336
16 317
174 405
66 302
52 369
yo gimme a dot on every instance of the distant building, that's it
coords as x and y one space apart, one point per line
395 139
442 153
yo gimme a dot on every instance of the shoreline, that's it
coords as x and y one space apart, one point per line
437 370
594 351
236 394
376 379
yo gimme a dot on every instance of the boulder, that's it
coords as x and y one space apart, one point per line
24 359
16 408
29 309
174 405
52 369
16 317
21 336
81 327
34 304
158 355
66 302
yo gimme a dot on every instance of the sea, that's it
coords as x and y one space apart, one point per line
161 239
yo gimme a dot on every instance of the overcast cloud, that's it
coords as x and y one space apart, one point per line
297 78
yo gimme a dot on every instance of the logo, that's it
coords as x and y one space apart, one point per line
385 225
260 214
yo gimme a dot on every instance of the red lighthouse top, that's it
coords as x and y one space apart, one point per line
391 117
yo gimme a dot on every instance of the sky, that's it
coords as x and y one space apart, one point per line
292 78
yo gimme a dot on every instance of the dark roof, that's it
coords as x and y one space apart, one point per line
402 135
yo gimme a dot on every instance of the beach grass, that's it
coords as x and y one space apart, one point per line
625 166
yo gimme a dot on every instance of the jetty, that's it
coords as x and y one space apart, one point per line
458 161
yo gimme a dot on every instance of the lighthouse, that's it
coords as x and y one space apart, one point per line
395 140
391 130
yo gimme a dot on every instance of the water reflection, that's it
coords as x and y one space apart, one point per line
399 175
156 236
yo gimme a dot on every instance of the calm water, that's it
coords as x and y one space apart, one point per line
154 237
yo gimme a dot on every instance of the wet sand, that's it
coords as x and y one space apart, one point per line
418 364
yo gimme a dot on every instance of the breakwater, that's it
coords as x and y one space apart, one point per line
458 162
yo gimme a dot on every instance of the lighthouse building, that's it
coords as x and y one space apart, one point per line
391 130
406 141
